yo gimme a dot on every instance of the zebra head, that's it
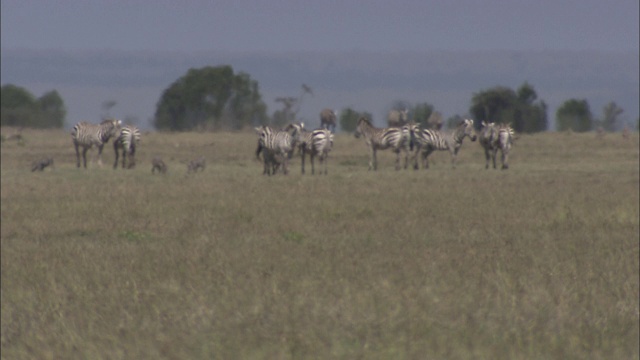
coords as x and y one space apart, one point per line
363 125
467 126
110 128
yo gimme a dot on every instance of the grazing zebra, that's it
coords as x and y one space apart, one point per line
274 145
398 139
426 141
504 141
398 118
86 135
328 119
158 164
127 141
41 164
487 139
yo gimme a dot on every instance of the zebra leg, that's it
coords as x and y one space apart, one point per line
302 153
505 160
487 156
115 149
77 154
454 155
124 157
373 163
425 158
493 156
84 156
313 165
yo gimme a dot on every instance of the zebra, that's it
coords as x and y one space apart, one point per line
86 135
487 139
276 144
398 139
504 140
328 119
426 141
398 118
127 141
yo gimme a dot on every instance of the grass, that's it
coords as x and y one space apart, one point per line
539 261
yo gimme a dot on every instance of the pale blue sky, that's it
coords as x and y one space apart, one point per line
341 25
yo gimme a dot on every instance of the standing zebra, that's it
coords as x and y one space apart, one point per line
275 144
427 141
127 141
397 139
487 139
328 119
315 143
86 135
503 142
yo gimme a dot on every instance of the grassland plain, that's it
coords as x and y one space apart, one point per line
540 261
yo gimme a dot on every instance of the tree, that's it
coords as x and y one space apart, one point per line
611 112
53 111
518 108
574 115
421 114
349 119
20 108
210 98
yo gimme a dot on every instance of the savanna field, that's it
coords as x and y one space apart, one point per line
540 261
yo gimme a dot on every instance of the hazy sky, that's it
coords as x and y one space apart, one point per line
341 25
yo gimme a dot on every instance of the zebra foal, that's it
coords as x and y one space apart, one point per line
427 141
127 142
86 135
395 138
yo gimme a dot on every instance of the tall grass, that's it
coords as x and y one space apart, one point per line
540 261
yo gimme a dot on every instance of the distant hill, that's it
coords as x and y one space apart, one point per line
365 81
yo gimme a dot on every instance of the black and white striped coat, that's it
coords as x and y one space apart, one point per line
127 142
86 135
505 138
275 144
396 139
427 141
318 143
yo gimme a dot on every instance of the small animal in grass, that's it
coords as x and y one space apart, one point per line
158 164
41 164
195 165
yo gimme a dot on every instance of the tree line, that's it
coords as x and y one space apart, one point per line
19 107
216 98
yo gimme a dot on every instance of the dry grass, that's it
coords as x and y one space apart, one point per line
540 261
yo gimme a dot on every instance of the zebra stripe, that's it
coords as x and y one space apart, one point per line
397 139
86 135
426 141
127 141
275 144
505 139
320 144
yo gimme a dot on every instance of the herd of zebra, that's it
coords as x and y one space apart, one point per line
277 146
406 138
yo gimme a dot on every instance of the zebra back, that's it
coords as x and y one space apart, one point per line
128 139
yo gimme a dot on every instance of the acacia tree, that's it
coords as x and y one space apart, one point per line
574 115
504 105
210 98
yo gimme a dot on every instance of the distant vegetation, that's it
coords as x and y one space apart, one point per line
19 107
215 98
